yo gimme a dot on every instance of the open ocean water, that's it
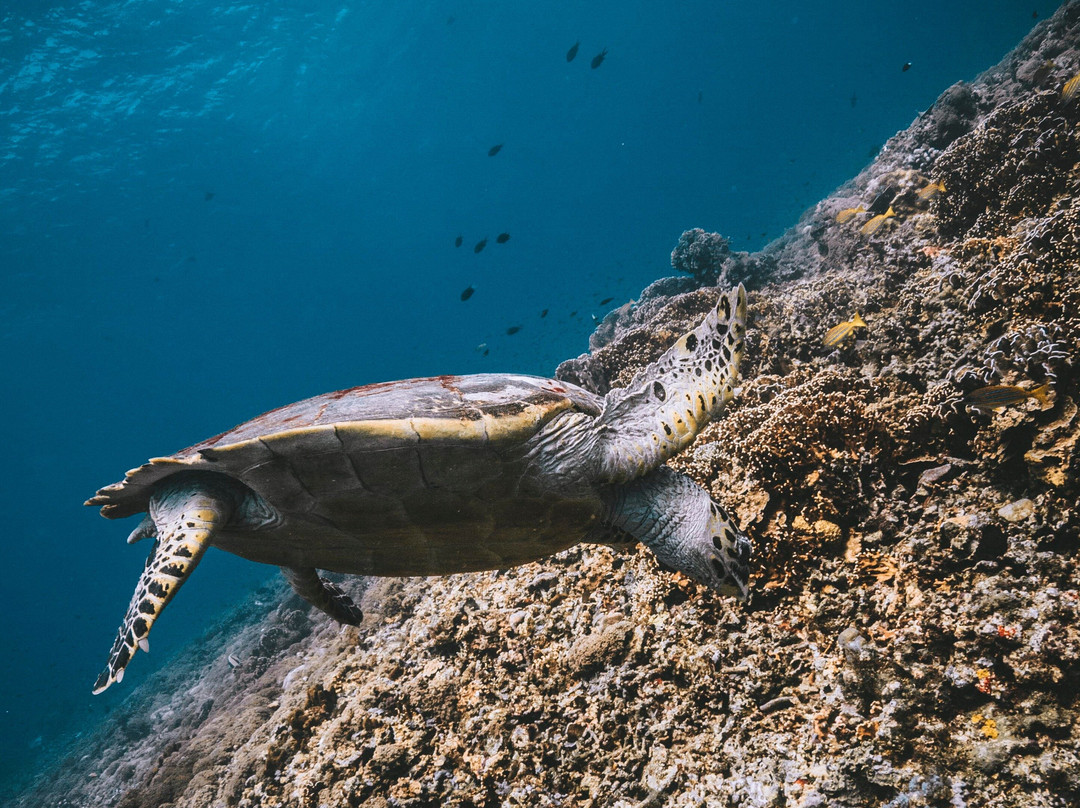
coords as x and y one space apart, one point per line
208 210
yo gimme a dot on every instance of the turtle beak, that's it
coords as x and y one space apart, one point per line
729 556
740 590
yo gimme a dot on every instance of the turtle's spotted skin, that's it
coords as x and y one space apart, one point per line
441 475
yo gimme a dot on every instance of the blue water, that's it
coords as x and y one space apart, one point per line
209 210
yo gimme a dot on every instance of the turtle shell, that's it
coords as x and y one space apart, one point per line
413 477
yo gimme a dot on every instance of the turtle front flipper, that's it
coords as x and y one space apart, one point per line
185 514
323 595
671 400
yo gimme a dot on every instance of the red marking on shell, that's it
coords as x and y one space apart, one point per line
449 383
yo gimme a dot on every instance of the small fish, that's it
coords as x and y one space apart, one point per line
871 226
480 245
847 214
605 301
573 314
208 196
854 99
700 95
234 661
467 293
932 190
598 59
513 330
838 333
906 67
482 348
1070 88
543 314
1042 71
1006 395
570 54
495 149
502 238
457 241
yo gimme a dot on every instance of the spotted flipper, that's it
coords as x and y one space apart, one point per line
185 515
670 401
323 595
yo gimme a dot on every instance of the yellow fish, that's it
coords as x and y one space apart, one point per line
848 213
932 190
838 333
1070 88
872 225
1006 395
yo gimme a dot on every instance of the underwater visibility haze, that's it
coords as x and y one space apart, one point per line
208 210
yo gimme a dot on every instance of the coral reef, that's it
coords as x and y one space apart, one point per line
709 259
914 636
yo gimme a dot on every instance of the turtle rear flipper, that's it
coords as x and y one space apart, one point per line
323 595
185 514
671 400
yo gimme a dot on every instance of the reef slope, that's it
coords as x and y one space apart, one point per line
914 635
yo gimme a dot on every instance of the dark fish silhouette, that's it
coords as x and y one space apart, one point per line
605 301
570 54
502 238
1042 71
543 313
906 67
467 293
513 330
208 196
457 241
480 245
494 149
598 59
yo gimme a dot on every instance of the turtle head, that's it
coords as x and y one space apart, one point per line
711 550
725 551
678 520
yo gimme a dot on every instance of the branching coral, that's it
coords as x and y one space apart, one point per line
1013 165
701 254
1036 351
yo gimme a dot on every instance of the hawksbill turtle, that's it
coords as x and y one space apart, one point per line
442 475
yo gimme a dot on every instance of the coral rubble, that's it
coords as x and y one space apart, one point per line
914 637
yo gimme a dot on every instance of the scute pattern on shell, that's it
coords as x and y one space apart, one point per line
443 410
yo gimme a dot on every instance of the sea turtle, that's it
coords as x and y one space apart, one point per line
441 475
